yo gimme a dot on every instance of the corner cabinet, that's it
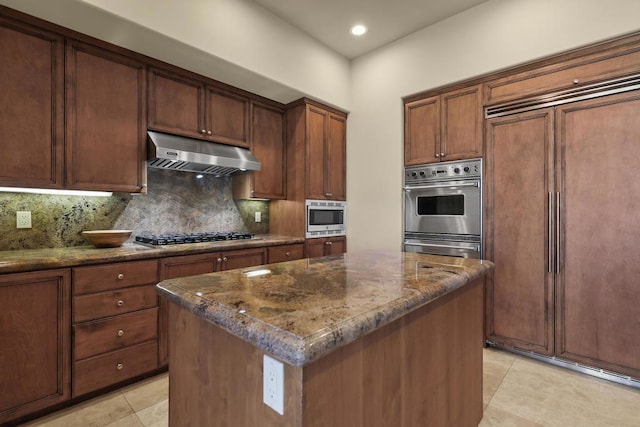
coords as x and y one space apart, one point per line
105 120
35 329
444 127
185 105
268 145
32 119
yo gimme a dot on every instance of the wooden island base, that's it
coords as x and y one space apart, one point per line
424 369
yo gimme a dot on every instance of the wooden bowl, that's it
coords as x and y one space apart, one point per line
107 238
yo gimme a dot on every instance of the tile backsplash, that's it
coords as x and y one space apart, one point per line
175 202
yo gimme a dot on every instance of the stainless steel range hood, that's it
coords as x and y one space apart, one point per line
193 155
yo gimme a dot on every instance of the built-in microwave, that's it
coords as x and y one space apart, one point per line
325 218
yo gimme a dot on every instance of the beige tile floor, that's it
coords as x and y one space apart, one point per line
518 392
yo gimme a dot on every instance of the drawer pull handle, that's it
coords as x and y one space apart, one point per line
120 276
119 366
120 303
120 333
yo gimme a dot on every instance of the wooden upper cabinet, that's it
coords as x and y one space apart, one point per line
422 131
336 162
227 117
32 118
186 106
326 154
268 145
614 62
176 104
462 124
444 127
105 120
35 327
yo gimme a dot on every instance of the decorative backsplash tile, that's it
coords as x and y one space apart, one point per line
175 202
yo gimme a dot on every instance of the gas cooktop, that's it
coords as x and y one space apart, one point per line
178 238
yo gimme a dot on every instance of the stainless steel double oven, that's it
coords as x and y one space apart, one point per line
443 208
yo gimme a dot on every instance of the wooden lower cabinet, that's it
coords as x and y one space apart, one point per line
325 246
115 323
562 203
35 326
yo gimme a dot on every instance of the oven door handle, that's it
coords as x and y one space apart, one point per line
433 245
429 187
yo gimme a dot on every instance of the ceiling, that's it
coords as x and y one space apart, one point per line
329 21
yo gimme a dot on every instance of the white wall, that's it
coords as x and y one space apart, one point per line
489 37
234 41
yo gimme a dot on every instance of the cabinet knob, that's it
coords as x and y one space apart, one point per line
437 155
328 243
219 260
120 276
224 258
328 194
120 333
120 303
576 81
441 154
203 131
288 254
208 132
119 366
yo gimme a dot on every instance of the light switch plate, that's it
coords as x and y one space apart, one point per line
273 384
258 216
23 219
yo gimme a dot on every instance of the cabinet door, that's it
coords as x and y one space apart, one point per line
267 144
598 311
336 245
519 179
35 329
244 258
336 162
106 120
422 131
462 124
32 118
227 117
315 247
316 154
176 104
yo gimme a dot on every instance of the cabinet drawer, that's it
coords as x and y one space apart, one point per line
105 304
285 253
93 338
111 368
97 278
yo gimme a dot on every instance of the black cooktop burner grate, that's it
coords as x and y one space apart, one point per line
178 238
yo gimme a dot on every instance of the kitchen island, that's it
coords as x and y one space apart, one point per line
367 339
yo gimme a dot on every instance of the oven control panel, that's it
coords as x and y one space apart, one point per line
463 169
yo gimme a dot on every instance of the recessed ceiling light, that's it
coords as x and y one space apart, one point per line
358 30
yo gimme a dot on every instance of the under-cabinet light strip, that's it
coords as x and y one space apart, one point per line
56 192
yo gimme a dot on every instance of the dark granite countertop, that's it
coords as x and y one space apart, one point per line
301 310
42 259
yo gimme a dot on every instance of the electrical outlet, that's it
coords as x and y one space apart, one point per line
258 216
273 384
23 219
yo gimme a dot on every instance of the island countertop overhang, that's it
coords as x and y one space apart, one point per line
302 310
